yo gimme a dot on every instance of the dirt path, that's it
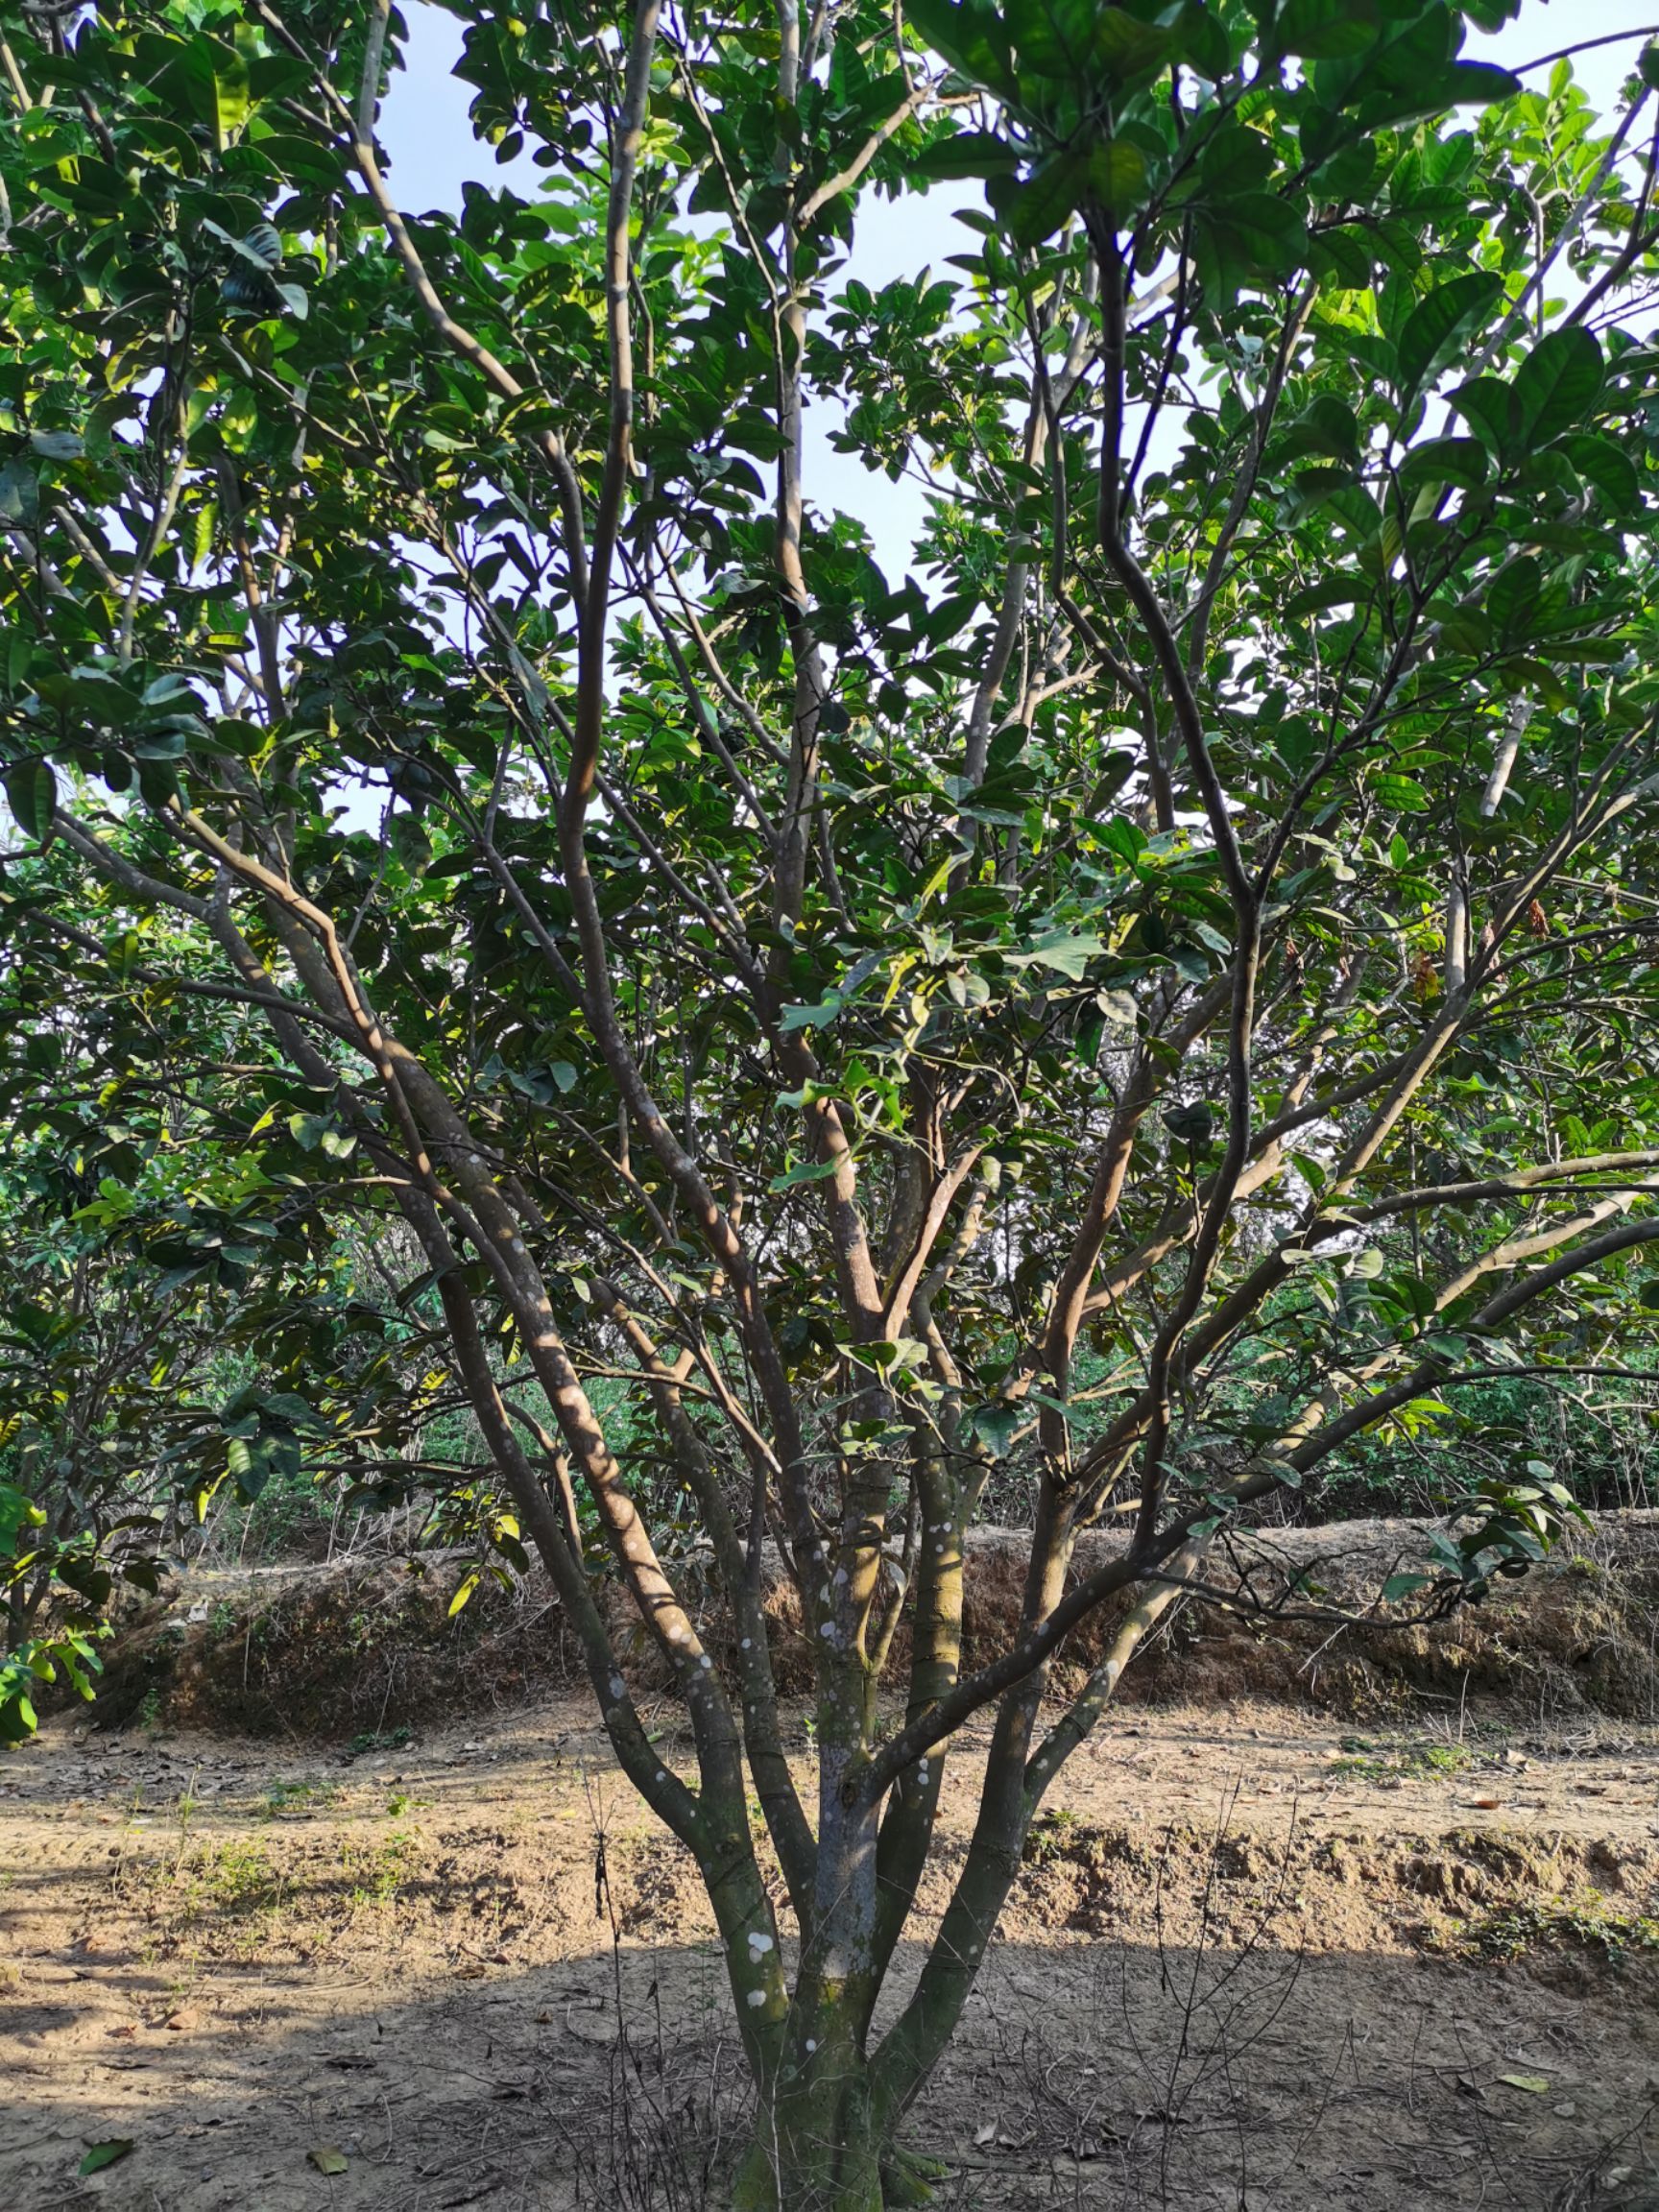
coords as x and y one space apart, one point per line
1256 1961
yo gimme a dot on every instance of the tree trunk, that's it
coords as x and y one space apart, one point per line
818 2147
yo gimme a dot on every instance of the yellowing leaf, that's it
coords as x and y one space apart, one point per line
232 100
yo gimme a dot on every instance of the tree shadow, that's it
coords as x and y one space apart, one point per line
1110 2075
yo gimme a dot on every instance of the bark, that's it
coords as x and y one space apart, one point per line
821 2145
815 2147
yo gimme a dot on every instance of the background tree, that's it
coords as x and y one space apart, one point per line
184 1328
1119 1013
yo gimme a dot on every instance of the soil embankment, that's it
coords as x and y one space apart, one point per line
330 1653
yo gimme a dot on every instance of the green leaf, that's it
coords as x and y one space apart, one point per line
1205 42
409 838
1270 231
1327 30
1069 952
1556 384
20 492
1512 597
967 153
16 1513
1126 46
167 741
1400 793
994 1427
1487 405
1343 255
1250 238
1461 461
1035 209
811 1017
1404 1585
1194 1123
1329 591
1118 176
1325 425
1608 469
101 2154
806 1171
1313 487
232 95
32 794
1233 160
1437 325
1475 85
971 36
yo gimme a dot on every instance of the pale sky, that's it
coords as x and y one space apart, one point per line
433 152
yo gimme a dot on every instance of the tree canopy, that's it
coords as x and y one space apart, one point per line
1093 1024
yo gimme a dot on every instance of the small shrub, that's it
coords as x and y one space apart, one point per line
299 1797
377 1872
378 1740
1588 1922
1368 1762
231 1879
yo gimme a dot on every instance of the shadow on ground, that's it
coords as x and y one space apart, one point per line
1107 2075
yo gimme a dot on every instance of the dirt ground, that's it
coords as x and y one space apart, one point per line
1256 1961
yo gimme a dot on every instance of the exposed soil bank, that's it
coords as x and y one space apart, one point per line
334 1651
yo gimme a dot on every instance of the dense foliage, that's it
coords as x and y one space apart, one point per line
1110 1017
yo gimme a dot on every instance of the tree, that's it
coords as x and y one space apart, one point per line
167 1292
1116 1015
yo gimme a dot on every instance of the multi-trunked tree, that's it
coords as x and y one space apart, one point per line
1119 1014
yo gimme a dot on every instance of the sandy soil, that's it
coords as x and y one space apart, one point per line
1255 1961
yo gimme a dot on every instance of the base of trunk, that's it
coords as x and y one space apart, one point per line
903 2178
821 2155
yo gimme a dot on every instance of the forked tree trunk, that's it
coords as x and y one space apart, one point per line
825 2134
816 2146
826 2145
831 2104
